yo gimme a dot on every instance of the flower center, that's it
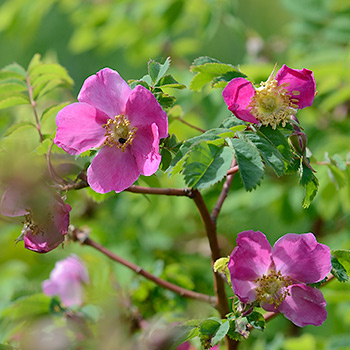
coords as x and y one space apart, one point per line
30 225
273 104
272 288
118 132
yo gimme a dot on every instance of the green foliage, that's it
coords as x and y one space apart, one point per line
256 320
270 154
338 270
206 164
343 256
251 167
310 183
210 70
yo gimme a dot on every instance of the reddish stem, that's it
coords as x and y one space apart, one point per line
83 239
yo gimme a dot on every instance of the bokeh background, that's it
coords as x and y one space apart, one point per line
165 235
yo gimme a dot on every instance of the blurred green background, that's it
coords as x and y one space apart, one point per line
164 235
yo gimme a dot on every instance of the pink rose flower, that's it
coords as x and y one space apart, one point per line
66 281
275 101
124 124
46 219
277 278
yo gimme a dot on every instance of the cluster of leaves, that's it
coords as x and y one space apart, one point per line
19 86
205 159
156 80
212 330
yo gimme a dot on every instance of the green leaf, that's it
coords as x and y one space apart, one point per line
10 87
199 81
212 70
11 101
251 167
169 81
27 307
210 135
310 183
13 71
44 147
185 333
165 100
206 165
145 81
166 159
156 70
47 82
44 77
339 162
256 319
270 154
203 60
338 270
49 68
207 331
52 111
221 332
343 256
337 176
279 140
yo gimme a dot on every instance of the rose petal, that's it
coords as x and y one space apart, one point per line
106 91
304 306
61 216
145 148
249 261
112 170
302 81
66 281
42 242
142 109
13 202
301 257
79 128
237 95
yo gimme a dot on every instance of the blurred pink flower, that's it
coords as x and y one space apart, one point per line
277 278
66 281
124 124
275 101
46 218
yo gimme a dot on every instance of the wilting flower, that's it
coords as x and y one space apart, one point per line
66 281
275 101
277 278
125 124
46 217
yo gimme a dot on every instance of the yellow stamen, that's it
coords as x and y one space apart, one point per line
119 133
272 104
272 288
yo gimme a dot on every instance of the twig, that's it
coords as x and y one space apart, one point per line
190 125
223 195
210 228
83 239
186 192
233 170
33 104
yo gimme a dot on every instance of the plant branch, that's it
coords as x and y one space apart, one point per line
210 228
223 195
186 192
190 125
84 240
33 104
